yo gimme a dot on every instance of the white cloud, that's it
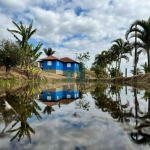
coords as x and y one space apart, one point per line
100 22
14 5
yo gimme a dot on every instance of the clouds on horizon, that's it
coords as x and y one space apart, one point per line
72 26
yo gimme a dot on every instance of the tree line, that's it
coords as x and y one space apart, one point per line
139 36
21 53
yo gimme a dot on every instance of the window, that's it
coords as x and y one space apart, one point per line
68 64
68 96
49 63
48 98
57 63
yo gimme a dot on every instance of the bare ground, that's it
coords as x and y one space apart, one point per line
20 74
141 81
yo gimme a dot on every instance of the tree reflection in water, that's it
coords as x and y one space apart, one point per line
48 110
24 106
123 113
142 134
104 101
82 103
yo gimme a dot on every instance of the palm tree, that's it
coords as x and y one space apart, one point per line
97 70
49 51
143 34
120 48
101 59
145 67
138 71
25 34
34 55
136 52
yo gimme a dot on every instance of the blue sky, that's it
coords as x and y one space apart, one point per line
73 26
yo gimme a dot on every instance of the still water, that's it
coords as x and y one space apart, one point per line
75 117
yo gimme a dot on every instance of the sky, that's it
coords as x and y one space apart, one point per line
71 27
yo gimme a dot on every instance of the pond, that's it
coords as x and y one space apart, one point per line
75 117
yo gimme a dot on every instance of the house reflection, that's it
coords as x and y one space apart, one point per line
64 94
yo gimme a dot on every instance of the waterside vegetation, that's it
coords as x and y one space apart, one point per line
23 56
139 33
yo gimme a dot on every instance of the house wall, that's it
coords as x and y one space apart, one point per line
74 68
61 68
52 96
56 94
60 72
54 65
71 67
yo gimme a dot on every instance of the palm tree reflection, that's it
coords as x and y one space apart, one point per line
48 110
24 107
142 134
104 101
123 113
82 103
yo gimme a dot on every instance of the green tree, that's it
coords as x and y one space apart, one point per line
105 60
100 59
138 71
120 49
143 34
10 54
98 70
82 58
49 51
34 55
145 67
113 72
25 33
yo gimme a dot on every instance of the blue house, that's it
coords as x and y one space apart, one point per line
66 92
63 66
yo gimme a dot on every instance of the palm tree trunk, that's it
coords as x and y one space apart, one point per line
119 63
136 106
135 53
148 57
116 68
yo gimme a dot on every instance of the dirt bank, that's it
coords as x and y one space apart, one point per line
141 81
19 74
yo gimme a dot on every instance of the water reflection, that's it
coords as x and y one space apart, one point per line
64 94
87 120
69 91
142 126
104 99
16 108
